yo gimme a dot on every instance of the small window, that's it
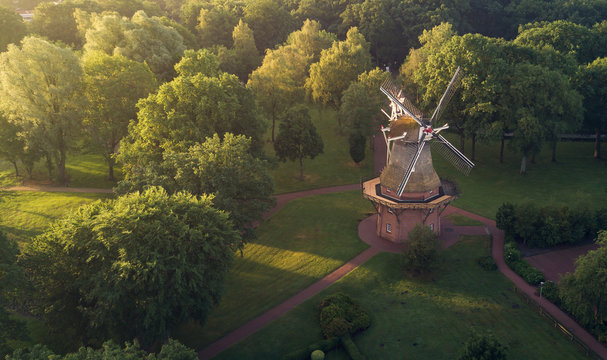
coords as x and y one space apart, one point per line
431 211
389 228
432 227
390 211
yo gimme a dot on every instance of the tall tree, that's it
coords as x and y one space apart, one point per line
271 23
141 39
41 91
226 168
325 12
243 57
592 84
12 28
56 22
137 266
297 137
337 68
215 24
11 275
185 111
114 84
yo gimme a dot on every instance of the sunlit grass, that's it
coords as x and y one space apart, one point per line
333 167
303 242
421 319
26 214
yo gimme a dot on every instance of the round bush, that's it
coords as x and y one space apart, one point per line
487 263
317 355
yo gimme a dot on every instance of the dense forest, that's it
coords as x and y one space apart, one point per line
183 94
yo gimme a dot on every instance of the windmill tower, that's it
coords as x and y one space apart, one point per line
409 191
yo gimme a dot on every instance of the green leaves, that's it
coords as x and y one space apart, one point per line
135 266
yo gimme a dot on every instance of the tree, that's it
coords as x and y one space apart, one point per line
243 57
226 168
137 266
270 22
11 276
12 145
114 84
215 24
422 250
337 68
361 104
12 28
186 110
592 84
483 347
325 12
202 62
297 137
41 92
584 293
56 22
141 38
357 144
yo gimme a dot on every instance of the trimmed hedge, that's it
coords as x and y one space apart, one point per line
304 353
550 291
351 348
512 256
549 225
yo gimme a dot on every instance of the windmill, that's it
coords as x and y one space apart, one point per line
408 189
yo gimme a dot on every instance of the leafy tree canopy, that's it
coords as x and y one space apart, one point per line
137 266
12 28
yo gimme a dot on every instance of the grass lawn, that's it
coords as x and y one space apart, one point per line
84 170
300 244
421 319
26 214
576 179
333 167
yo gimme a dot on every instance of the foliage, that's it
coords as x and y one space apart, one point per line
306 353
56 22
202 62
512 256
422 252
141 38
591 83
340 315
114 84
14 149
225 168
551 291
41 92
172 350
317 355
549 225
187 110
243 57
337 67
483 347
12 28
357 147
11 277
487 263
511 253
215 22
137 266
351 348
271 23
297 137
583 292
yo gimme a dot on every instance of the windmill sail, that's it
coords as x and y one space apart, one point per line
396 96
451 154
420 147
456 81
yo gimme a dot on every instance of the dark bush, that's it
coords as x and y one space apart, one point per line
550 291
340 315
357 147
422 252
487 263
530 274
504 219
304 354
511 253
484 346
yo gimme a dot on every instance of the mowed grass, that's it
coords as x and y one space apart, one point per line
26 214
576 179
460 220
83 170
333 167
421 319
297 246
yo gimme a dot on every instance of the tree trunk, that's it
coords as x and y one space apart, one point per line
273 126
110 163
597 144
554 143
16 168
462 142
61 176
533 158
524 165
49 166
473 147
301 176
502 150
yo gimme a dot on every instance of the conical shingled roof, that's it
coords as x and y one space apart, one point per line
424 177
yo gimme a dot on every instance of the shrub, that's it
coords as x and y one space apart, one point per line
487 263
351 348
530 274
511 253
340 315
317 355
550 291
323 345
504 219
422 251
483 346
